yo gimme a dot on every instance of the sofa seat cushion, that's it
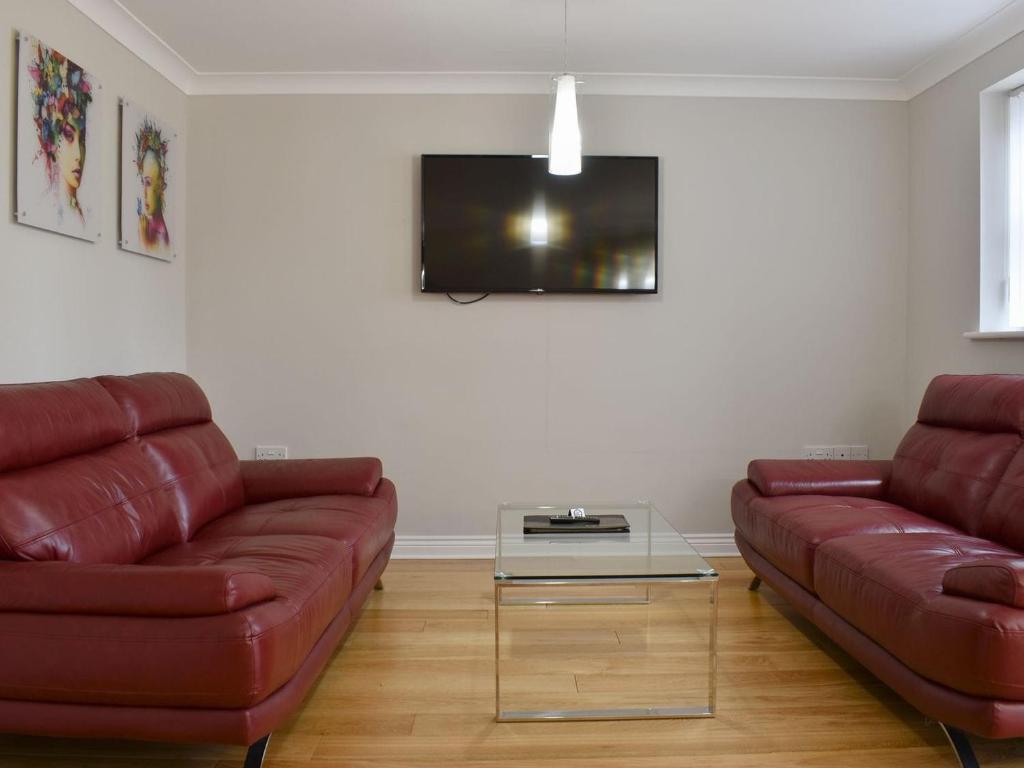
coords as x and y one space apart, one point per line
364 523
890 588
787 530
232 660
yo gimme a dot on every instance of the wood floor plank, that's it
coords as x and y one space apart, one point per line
415 686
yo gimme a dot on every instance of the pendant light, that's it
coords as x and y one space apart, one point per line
565 147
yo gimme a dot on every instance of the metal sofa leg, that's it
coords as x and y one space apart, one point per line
254 757
379 585
961 746
755 583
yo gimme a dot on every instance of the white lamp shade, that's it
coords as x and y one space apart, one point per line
565 148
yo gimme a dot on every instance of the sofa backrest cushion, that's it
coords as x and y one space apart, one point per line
155 401
1003 520
951 462
43 422
74 484
987 403
191 456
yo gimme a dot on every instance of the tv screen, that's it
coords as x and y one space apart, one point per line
498 223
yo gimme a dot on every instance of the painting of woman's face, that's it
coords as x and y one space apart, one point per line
56 188
70 153
146 175
152 184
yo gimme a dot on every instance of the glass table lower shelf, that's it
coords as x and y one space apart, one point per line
602 627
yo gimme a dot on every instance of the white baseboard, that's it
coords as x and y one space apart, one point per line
446 547
482 547
713 544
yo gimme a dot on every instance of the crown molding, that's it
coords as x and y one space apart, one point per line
592 83
131 32
1005 23
127 29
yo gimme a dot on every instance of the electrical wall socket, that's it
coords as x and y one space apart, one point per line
835 452
264 452
818 452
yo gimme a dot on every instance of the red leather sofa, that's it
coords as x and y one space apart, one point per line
152 586
913 566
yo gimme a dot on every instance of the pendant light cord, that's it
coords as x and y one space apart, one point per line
565 36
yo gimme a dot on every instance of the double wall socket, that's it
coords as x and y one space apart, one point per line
264 452
835 452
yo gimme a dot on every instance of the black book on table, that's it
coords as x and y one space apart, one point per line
605 524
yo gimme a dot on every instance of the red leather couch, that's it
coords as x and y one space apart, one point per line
152 586
913 566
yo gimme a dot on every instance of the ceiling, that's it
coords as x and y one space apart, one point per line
873 44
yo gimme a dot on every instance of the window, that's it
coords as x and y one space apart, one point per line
1014 273
1001 297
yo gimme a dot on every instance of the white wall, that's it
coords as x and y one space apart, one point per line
798 306
943 274
781 318
67 307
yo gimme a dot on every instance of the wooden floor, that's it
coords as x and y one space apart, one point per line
414 685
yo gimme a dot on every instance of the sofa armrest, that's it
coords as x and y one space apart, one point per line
129 590
295 478
783 477
991 581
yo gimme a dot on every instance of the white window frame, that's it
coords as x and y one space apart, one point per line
1001 283
1014 262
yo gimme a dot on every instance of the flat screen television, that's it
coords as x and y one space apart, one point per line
502 223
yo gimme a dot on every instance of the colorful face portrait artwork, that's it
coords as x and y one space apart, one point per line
149 154
58 182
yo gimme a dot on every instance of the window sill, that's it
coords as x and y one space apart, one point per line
994 335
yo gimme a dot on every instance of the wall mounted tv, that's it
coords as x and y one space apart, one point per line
502 223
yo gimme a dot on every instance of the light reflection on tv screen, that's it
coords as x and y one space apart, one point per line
503 223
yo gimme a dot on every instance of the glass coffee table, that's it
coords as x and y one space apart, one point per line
601 625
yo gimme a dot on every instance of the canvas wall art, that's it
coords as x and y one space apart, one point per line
59 174
149 183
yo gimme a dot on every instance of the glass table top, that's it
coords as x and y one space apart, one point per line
651 549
